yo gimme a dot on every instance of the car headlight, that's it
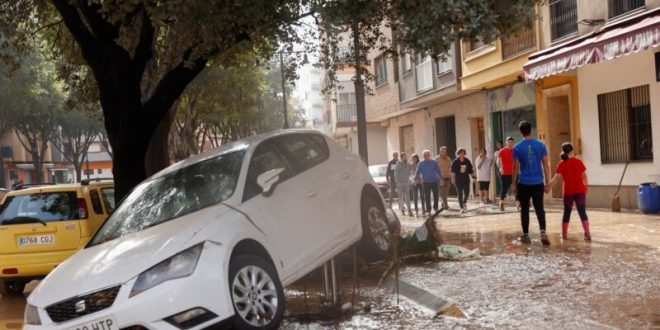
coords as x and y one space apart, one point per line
180 265
31 316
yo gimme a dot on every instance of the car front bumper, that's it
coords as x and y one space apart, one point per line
206 288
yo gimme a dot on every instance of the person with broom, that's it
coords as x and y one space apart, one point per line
573 171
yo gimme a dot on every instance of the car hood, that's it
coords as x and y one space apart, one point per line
118 261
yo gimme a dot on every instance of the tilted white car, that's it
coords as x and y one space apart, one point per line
213 239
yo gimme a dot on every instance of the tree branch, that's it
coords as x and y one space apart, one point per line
78 29
144 50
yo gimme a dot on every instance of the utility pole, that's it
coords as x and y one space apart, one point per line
359 97
284 110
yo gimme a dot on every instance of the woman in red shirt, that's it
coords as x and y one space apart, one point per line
573 171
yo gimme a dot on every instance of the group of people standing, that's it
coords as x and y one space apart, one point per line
525 164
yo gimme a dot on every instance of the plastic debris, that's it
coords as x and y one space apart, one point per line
455 252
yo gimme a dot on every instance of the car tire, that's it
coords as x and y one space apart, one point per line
12 288
256 293
375 242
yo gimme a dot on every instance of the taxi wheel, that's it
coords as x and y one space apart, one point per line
256 293
12 288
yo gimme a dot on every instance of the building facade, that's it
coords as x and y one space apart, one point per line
596 80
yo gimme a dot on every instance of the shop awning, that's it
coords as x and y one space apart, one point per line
624 38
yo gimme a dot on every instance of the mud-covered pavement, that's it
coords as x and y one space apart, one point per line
612 282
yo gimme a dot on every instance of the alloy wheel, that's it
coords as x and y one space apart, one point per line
378 227
255 296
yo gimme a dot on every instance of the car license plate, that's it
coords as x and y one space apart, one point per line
106 323
36 240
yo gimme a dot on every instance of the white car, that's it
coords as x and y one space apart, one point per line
214 238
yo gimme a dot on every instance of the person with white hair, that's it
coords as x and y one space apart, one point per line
428 173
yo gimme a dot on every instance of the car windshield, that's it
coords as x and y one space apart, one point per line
173 195
377 170
39 208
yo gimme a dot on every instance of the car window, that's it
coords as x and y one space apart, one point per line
306 150
46 207
108 196
176 194
377 170
96 201
266 157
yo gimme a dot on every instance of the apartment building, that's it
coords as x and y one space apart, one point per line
597 84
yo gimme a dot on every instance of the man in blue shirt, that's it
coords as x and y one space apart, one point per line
531 172
428 172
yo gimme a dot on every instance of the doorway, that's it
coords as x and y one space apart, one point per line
559 131
445 134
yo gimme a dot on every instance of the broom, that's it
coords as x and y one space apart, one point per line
616 203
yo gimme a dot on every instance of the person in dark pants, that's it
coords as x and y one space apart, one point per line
505 164
531 172
417 187
428 173
461 170
389 175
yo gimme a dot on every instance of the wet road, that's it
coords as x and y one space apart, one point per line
611 283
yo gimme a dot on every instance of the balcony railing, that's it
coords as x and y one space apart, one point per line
563 18
515 44
346 113
620 7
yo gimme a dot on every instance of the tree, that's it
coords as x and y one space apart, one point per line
78 130
33 103
143 53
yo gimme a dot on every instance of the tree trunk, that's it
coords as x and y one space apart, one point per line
158 153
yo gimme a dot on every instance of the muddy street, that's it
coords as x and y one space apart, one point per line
610 283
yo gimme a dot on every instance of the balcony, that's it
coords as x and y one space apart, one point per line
346 114
563 18
519 43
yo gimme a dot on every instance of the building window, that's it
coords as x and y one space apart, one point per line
620 7
444 65
476 44
424 72
625 125
346 110
563 18
518 43
380 64
407 63
99 171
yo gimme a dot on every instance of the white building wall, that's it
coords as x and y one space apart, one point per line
463 109
624 72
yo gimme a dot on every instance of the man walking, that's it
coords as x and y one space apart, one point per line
402 174
444 162
532 172
429 174
389 175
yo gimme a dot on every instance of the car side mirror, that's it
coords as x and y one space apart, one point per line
268 180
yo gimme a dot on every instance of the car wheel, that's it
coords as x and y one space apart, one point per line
12 288
256 293
375 243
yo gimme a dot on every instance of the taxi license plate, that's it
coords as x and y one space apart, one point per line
107 323
36 240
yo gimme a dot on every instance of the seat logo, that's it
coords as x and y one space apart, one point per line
80 306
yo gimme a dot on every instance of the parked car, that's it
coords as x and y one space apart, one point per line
378 173
42 225
214 238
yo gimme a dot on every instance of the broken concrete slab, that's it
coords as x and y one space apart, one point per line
441 306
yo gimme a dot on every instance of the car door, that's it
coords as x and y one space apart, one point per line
286 211
330 180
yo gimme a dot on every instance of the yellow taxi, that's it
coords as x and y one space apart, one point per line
42 225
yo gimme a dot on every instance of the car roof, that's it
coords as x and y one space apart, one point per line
58 187
242 144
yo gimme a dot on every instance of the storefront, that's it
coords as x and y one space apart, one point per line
619 102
